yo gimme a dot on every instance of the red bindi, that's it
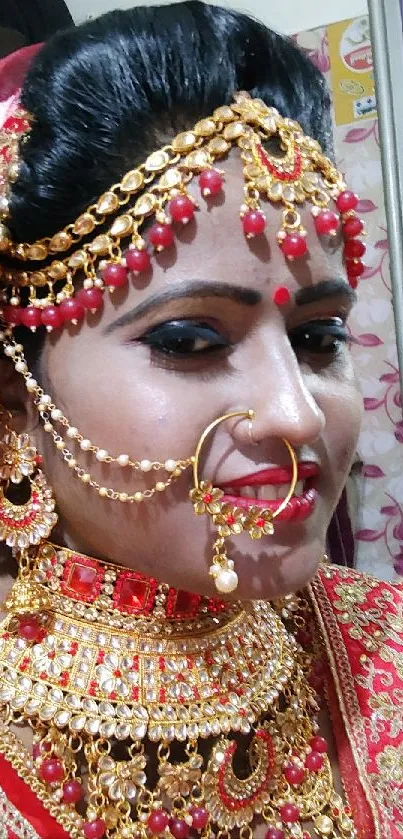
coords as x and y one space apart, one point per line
281 296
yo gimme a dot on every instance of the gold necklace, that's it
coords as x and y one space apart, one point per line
139 696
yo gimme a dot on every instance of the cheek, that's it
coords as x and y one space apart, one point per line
125 405
343 406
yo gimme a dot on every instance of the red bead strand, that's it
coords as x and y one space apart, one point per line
182 209
115 275
95 829
90 298
137 260
352 227
294 245
326 223
161 236
254 223
347 201
72 311
211 182
51 770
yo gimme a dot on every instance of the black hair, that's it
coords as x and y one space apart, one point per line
105 94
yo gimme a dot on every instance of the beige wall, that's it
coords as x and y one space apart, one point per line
286 16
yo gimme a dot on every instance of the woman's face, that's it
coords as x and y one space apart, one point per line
199 338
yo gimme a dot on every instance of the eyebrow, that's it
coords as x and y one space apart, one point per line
337 287
196 288
240 294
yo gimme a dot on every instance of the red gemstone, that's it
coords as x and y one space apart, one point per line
352 227
182 604
353 282
314 761
95 829
318 744
211 182
158 820
326 222
275 833
134 594
179 828
200 817
182 209
114 275
207 498
72 310
281 296
355 269
82 578
294 774
294 245
253 223
72 791
51 318
347 201
260 522
289 813
90 298
12 315
31 317
29 628
161 236
137 260
354 248
51 770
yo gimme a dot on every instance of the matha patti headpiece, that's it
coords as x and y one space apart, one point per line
105 243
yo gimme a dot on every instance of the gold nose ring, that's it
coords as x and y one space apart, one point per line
229 519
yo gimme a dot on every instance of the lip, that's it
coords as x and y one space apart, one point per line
274 475
298 509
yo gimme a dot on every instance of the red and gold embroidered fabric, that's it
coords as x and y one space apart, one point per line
361 622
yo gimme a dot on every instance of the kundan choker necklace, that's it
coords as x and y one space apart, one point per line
158 712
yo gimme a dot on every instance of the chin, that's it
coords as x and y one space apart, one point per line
271 571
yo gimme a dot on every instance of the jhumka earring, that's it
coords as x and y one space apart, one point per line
229 519
23 525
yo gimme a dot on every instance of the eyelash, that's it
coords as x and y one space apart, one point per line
188 339
184 332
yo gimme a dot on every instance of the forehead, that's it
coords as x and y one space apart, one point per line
215 247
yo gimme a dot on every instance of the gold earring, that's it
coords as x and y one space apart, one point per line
230 520
25 525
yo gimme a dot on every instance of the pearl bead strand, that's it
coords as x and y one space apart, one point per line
50 414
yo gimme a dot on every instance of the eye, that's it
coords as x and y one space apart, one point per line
320 337
183 338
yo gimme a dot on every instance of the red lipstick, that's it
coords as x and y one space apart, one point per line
299 508
274 475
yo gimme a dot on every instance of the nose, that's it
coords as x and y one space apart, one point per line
280 394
